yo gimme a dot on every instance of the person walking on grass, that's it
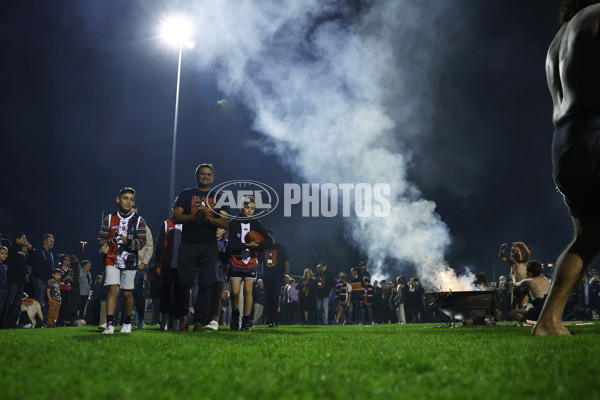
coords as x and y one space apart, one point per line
243 259
195 208
122 235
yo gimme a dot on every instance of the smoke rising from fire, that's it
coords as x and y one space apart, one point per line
339 93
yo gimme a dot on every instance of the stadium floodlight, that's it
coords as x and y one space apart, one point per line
176 30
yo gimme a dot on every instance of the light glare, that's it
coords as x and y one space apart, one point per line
176 30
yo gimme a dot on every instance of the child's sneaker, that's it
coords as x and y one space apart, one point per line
109 330
126 328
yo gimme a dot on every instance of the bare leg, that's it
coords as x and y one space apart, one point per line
111 299
235 293
128 299
248 296
571 265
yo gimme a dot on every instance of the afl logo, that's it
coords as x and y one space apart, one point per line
230 194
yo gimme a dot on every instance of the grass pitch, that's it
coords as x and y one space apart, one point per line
298 362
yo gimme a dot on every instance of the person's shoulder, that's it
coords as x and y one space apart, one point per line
584 23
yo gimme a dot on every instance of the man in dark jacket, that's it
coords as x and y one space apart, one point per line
20 256
43 265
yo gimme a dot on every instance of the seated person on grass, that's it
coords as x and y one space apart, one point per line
538 286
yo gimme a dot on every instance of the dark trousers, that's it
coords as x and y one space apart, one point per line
168 281
39 293
83 300
192 257
12 309
139 300
272 291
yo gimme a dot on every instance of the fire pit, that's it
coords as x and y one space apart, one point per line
463 305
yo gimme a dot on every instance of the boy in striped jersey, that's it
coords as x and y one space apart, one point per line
121 237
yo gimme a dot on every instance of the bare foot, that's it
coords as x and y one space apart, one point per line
549 328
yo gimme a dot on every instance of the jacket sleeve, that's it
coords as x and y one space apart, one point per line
145 254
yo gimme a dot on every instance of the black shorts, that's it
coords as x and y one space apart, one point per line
244 274
576 162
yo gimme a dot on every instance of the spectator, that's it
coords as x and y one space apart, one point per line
43 267
356 284
85 287
344 301
401 295
325 286
415 307
292 302
54 296
65 316
367 301
391 306
259 297
20 255
377 302
307 290
362 271
141 286
165 259
277 266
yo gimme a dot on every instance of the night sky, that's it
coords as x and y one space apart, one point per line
88 106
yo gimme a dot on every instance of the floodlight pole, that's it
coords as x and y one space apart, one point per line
172 191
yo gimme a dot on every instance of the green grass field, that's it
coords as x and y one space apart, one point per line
297 362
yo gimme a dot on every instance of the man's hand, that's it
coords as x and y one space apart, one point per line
104 248
124 239
141 266
74 259
252 245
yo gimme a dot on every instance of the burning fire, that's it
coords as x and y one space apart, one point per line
446 280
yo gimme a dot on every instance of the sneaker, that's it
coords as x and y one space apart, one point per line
126 328
141 325
109 330
164 321
102 326
235 320
198 327
184 324
214 325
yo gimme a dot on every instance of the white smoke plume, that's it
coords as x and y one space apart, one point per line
336 92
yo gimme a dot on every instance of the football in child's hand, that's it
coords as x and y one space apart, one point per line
254 236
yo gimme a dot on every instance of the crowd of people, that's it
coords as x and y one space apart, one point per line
206 270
